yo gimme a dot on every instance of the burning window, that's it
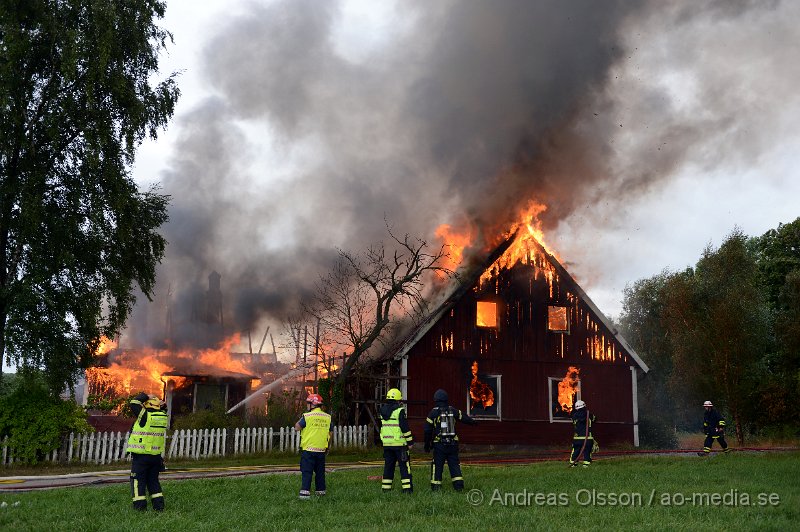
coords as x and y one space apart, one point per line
564 391
486 314
557 319
483 398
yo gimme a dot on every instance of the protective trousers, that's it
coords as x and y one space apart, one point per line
144 478
710 438
446 452
577 447
399 456
312 463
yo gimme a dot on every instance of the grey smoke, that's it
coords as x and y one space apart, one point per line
479 108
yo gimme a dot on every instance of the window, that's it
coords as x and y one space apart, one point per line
483 395
563 394
486 314
558 319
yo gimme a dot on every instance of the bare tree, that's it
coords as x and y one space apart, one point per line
365 295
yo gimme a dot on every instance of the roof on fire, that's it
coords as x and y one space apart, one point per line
466 281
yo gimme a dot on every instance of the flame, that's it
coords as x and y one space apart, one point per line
528 228
106 345
144 369
480 392
567 388
455 243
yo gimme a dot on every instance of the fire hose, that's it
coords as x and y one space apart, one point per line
585 436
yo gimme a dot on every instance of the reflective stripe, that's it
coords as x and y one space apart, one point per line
156 495
314 437
391 434
436 481
457 478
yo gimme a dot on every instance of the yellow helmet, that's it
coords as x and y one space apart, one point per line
154 402
394 394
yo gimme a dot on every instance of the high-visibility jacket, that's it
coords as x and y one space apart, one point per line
150 438
392 434
314 436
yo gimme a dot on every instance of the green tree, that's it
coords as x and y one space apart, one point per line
718 318
778 252
75 231
642 325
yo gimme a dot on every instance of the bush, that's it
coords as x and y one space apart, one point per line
212 418
35 421
657 435
284 409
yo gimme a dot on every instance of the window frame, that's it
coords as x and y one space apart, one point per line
496 318
498 401
550 385
566 319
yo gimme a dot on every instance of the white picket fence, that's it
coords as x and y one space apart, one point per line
108 447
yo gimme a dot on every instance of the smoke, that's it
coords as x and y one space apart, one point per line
459 113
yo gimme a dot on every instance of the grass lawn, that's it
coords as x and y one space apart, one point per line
740 491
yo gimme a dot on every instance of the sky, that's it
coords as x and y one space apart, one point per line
650 130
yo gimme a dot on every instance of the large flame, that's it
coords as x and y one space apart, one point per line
568 388
480 392
148 369
528 228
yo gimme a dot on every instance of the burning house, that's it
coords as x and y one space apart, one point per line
189 378
515 344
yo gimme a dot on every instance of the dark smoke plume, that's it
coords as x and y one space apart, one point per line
462 114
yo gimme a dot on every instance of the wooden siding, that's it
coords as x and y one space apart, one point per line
526 354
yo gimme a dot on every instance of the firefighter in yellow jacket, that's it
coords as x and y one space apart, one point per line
397 442
315 435
146 445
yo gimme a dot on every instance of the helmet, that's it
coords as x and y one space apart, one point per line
708 403
579 404
394 394
154 402
315 399
440 396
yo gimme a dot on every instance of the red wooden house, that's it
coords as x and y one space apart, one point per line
514 345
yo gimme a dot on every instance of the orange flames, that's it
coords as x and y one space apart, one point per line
144 369
455 243
528 229
105 346
568 387
480 392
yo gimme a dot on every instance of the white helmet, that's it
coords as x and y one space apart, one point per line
579 404
708 403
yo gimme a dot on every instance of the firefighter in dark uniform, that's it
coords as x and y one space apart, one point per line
714 428
397 442
146 445
582 440
440 435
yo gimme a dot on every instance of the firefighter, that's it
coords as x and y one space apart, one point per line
315 435
146 445
397 442
714 428
582 440
440 435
